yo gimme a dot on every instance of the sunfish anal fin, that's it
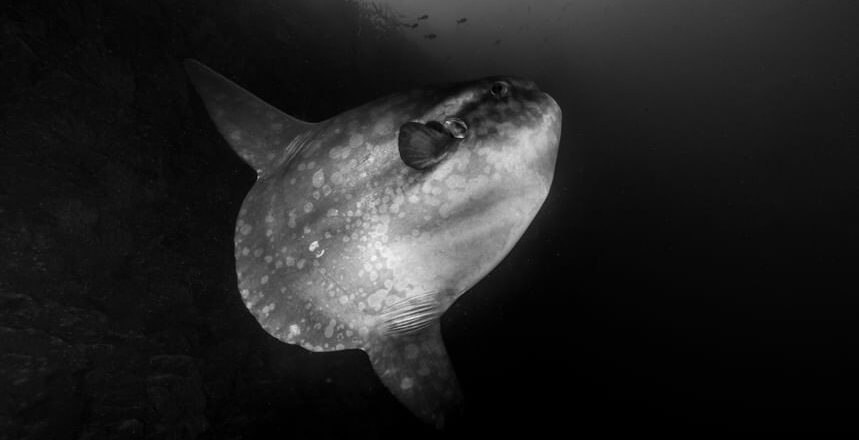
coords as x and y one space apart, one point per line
259 133
415 367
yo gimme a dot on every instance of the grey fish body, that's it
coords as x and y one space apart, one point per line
351 240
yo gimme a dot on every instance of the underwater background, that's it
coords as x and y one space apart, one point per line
693 270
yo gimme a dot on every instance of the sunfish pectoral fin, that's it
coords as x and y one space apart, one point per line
416 369
262 135
423 145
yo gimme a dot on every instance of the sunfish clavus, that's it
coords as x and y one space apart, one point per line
362 229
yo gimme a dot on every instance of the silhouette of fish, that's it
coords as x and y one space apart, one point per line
362 229
430 36
497 42
423 17
461 20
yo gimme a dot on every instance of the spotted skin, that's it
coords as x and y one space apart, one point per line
340 245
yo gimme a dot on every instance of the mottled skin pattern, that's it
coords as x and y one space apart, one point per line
339 242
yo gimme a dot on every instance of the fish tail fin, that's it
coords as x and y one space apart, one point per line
263 136
416 369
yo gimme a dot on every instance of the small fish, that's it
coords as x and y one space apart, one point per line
361 230
461 20
497 42
423 17
430 36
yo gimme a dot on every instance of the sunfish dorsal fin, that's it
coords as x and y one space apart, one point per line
259 133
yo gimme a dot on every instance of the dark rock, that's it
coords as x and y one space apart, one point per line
129 429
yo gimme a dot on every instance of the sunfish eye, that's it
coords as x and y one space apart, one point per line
500 89
456 127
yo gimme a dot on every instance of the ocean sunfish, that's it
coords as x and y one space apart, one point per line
362 229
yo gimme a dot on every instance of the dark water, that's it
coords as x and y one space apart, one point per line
692 270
